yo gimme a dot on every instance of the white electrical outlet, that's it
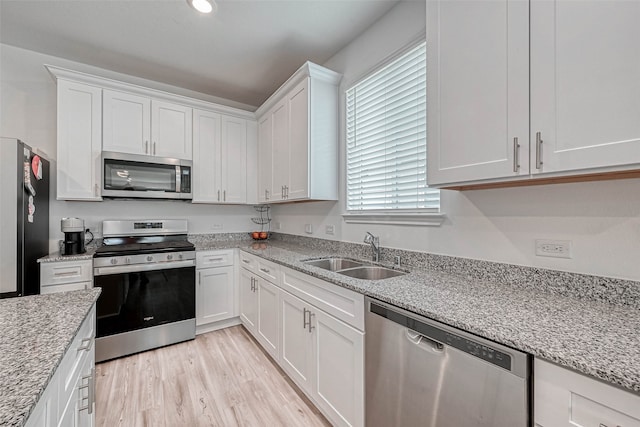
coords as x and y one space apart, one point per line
308 228
330 229
553 248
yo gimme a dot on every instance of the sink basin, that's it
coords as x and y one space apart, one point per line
334 264
371 273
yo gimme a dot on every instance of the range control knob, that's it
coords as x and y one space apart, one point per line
180 256
149 258
169 257
127 260
114 261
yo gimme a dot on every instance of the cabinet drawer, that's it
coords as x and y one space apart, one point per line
339 302
50 289
248 261
207 259
268 270
566 398
56 273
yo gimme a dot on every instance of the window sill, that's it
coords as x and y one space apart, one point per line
416 219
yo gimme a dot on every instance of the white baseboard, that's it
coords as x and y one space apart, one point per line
210 327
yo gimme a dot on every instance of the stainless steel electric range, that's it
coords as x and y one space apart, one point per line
146 270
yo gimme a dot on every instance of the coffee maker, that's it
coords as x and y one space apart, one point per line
73 229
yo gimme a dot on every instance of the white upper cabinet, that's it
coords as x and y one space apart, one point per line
478 90
265 159
79 141
581 61
220 158
298 138
206 156
127 123
585 84
139 125
171 126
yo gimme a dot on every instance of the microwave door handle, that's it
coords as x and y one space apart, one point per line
178 180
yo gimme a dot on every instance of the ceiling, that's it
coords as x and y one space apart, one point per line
244 52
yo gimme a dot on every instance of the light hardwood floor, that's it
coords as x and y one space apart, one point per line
221 378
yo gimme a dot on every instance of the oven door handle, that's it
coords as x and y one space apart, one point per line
119 269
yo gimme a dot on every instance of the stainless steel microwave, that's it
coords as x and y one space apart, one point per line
140 176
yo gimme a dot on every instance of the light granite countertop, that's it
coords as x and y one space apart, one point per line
596 338
35 332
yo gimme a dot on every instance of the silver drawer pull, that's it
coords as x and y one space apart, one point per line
215 259
86 346
67 273
264 270
246 261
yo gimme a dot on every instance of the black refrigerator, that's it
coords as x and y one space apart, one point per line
24 217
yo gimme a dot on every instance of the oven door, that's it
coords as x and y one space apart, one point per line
141 296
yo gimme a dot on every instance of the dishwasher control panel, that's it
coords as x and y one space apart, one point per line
481 351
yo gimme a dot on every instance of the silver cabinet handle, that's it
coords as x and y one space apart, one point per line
282 191
246 261
304 317
199 277
95 190
154 148
86 346
516 154
264 270
91 388
266 194
286 191
146 147
224 195
539 150
218 195
215 259
311 327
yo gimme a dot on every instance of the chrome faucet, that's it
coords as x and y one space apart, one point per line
375 245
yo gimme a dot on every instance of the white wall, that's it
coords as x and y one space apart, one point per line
28 112
602 219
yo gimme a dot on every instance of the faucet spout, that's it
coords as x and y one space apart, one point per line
375 245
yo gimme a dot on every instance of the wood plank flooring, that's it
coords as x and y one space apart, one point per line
222 378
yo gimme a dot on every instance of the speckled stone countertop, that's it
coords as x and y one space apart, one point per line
58 257
590 336
35 332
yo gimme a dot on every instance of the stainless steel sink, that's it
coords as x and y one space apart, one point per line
372 273
334 264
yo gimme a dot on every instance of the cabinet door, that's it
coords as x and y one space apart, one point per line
296 343
298 107
51 289
268 327
214 295
478 90
171 126
265 159
585 90
339 370
206 157
234 160
280 141
248 300
126 123
79 141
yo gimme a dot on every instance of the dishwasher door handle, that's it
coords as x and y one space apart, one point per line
421 340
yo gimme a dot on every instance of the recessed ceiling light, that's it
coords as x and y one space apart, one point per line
203 6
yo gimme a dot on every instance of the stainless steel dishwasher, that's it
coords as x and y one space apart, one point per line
420 372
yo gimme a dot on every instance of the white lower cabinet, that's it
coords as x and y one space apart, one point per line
69 399
321 349
566 398
215 290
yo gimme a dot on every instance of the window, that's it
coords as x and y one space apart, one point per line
386 139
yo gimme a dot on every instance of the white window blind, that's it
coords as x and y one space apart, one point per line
386 138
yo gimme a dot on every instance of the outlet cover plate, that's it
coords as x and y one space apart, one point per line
553 248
